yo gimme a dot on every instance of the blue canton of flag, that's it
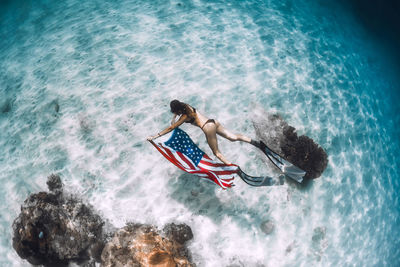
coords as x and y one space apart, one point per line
180 141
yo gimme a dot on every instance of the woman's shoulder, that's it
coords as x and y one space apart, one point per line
191 109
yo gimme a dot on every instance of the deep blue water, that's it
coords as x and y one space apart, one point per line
83 83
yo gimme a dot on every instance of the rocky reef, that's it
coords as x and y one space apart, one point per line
55 228
302 151
144 245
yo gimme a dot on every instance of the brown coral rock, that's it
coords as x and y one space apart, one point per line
143 245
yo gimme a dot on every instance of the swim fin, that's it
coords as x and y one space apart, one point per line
258 181
285 166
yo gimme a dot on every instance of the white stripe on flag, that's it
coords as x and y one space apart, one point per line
222 168
208 160
226 176
218 179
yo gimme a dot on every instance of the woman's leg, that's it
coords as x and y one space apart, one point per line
210 131
231 136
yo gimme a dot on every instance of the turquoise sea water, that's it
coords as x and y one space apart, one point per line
83 83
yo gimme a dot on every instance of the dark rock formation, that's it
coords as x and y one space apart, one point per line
54 229
5 106
267 227
301 151
144 245
54 184
178 232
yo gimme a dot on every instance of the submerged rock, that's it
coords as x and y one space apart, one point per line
303 152
144 245
54 183
319 234
5 106
319 242
291 246
267 227
178 232
53 229
56 106
87 125
281 137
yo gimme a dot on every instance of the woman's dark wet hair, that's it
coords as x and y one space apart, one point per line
178 107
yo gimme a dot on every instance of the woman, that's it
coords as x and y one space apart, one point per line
210 127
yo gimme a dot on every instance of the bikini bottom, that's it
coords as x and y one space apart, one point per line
208 121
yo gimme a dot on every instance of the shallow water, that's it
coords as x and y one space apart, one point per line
84 83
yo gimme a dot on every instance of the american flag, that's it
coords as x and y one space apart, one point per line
186 155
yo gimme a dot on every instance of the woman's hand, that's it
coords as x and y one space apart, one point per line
149 138
153 137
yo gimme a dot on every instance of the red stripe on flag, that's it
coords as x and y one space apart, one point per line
170 154
220 172
206 156
171 159
183 157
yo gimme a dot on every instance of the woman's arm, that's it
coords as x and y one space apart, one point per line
170 128
173 119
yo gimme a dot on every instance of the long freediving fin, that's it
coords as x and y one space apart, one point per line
285 166
258 181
